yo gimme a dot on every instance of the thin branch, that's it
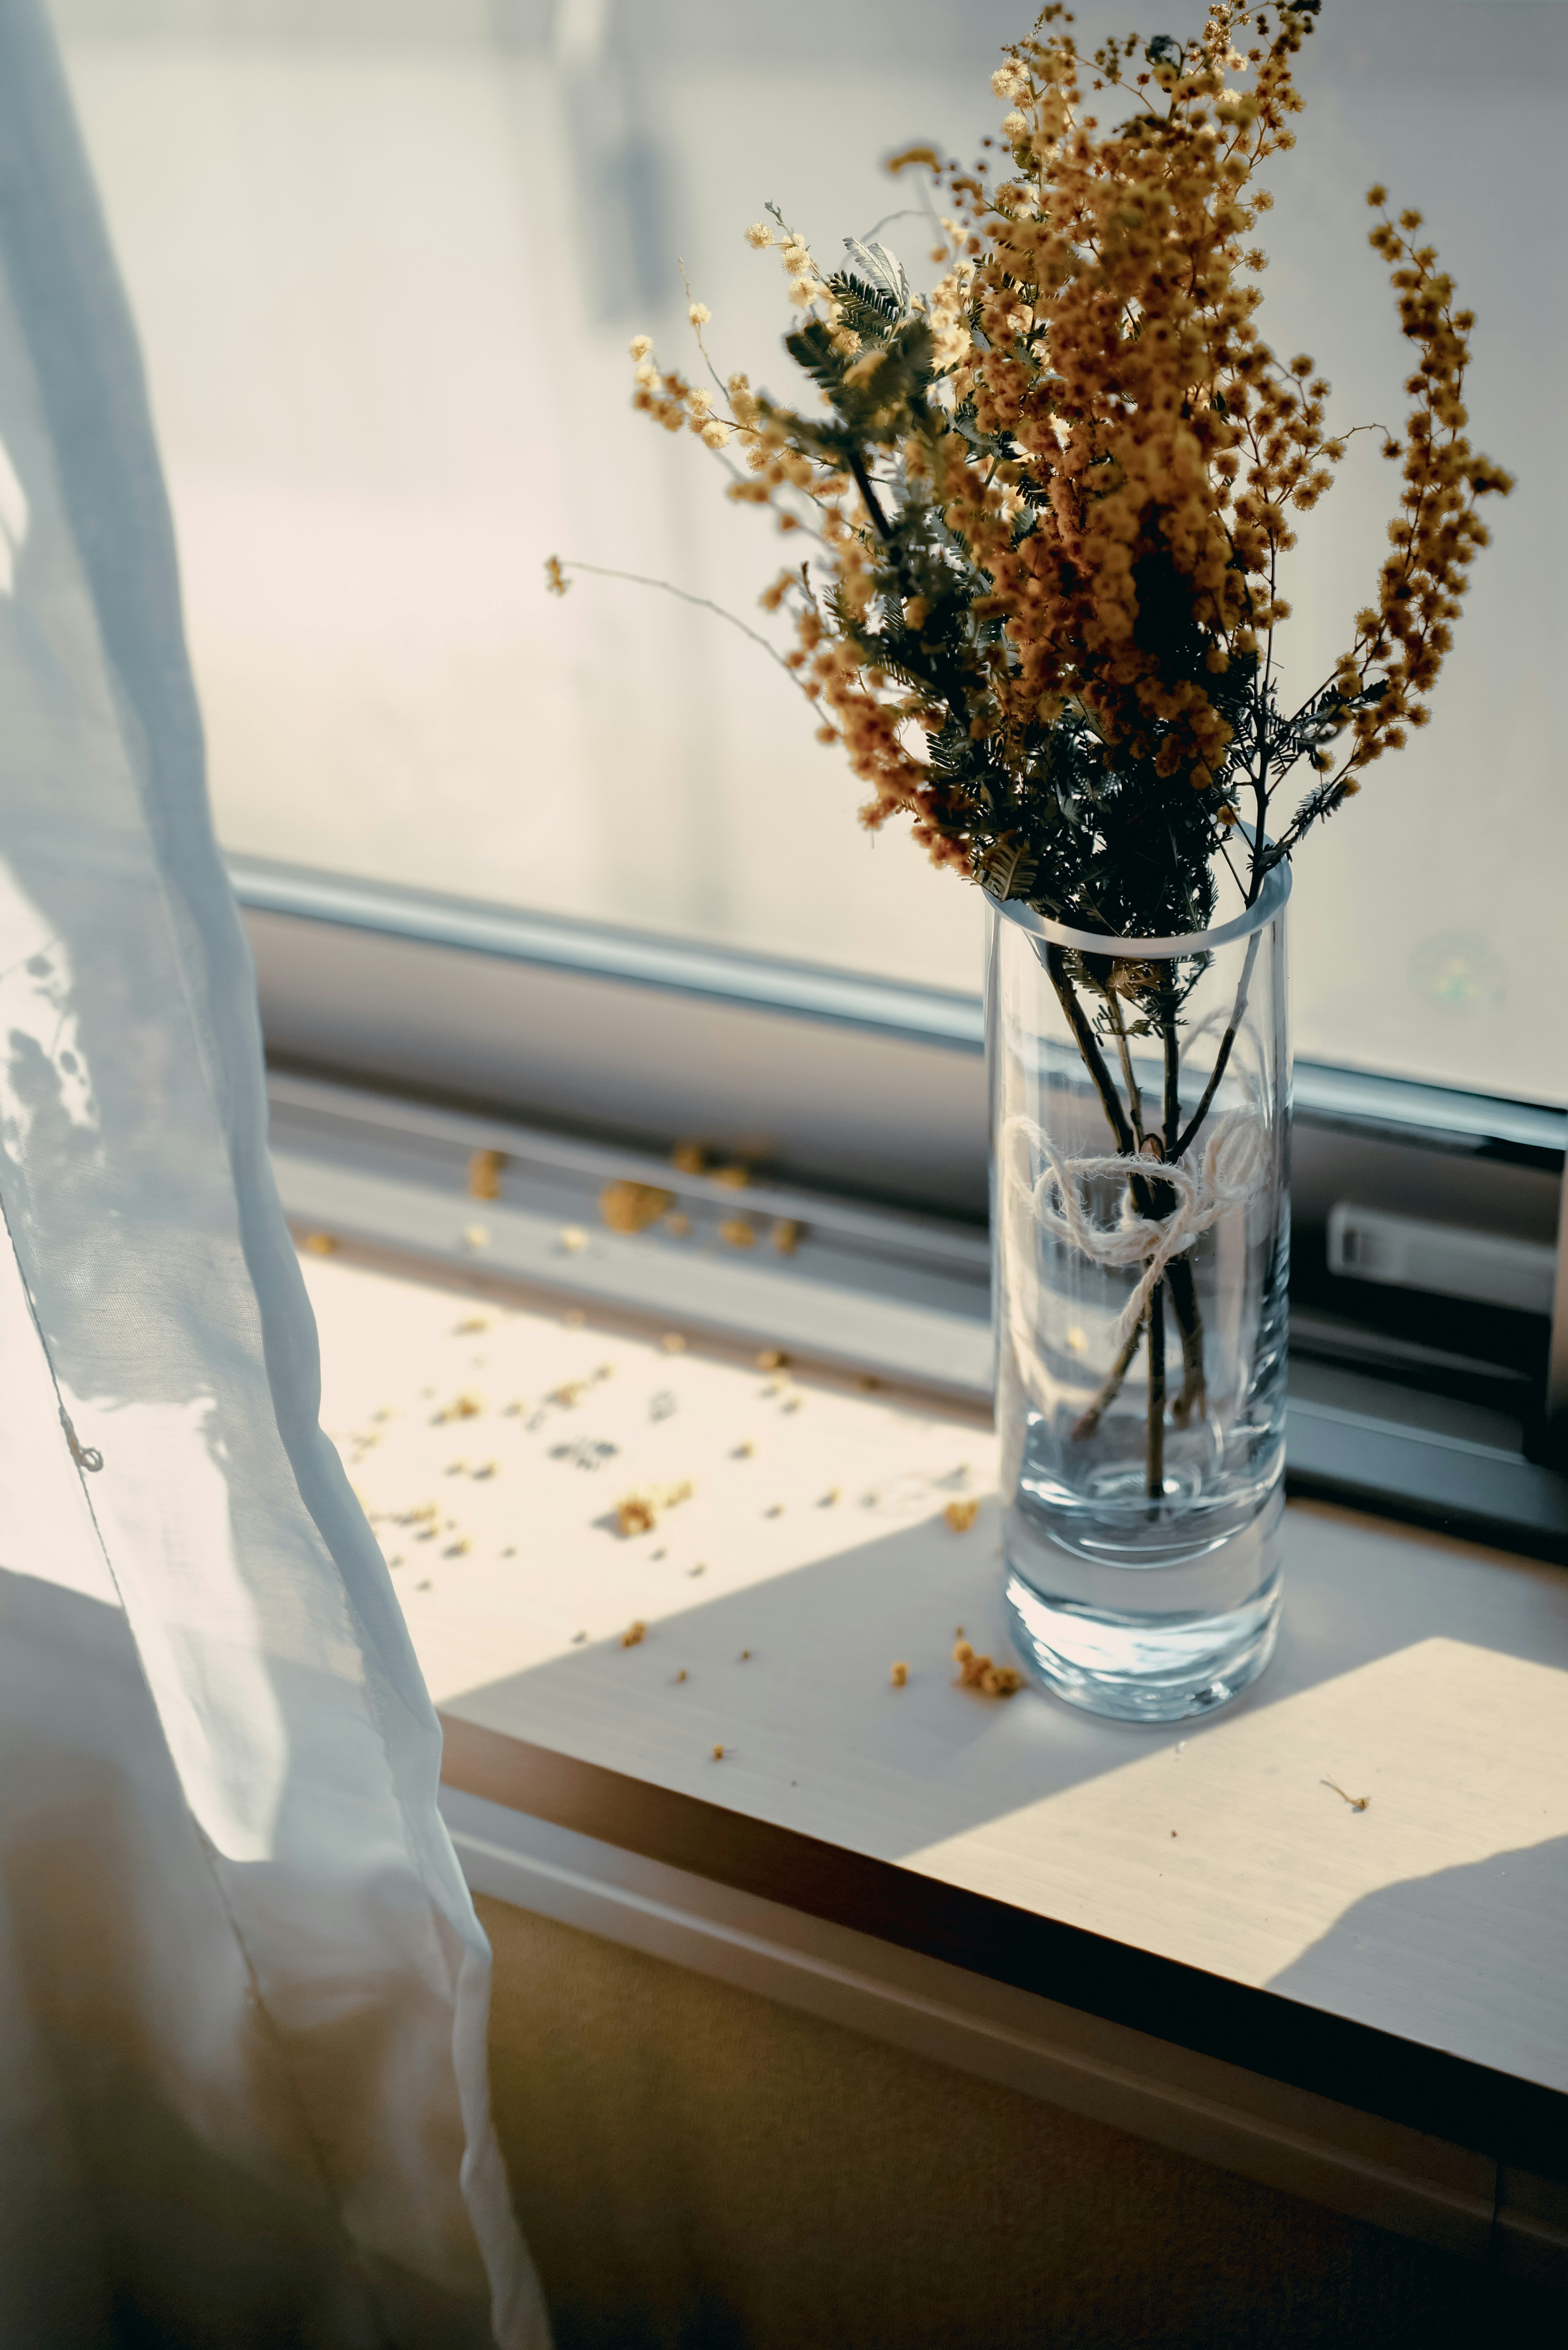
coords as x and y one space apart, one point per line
1222 1058
863 483
691 303
1084 1426
1088 1047
1172 1085
1179 1273
1182 1285
1154 1464
703 604
911 212
1235 877
1124 1054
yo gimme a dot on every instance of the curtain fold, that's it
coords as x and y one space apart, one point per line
242 1991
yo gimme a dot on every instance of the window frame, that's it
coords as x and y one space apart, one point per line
864 1098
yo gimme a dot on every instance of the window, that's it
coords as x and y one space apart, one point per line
385 255
385 261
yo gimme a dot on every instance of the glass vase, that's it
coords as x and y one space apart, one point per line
1140 1151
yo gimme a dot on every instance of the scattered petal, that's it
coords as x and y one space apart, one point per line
463 1407
632 1206
979 1672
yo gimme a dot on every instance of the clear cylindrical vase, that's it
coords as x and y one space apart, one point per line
1140 1149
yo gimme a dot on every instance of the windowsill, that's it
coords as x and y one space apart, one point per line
1362 2004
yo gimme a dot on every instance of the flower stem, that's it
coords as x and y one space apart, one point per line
1172 1082
1124 1053
702 603
1183 1289
1194 1395
1084 1428
1154 1480
1088 1047
857 463
1179 1273
1222 1058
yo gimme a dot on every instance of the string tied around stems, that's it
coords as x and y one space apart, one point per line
1228 1174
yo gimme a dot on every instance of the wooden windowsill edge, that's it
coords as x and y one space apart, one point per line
1266 2034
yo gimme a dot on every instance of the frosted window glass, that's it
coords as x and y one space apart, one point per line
385 261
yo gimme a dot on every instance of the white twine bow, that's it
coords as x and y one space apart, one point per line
1226 1175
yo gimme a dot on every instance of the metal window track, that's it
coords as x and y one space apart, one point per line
603 951
866 1290
867 1081
932 1017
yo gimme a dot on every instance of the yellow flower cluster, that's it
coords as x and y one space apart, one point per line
1437 531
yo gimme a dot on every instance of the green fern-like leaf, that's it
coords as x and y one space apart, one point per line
1006 868
810 348
869 311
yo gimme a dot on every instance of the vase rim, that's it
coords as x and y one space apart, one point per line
1270 902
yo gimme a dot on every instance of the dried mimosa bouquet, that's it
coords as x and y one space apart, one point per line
1047 503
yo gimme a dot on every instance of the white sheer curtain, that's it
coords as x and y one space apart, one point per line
243 1993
